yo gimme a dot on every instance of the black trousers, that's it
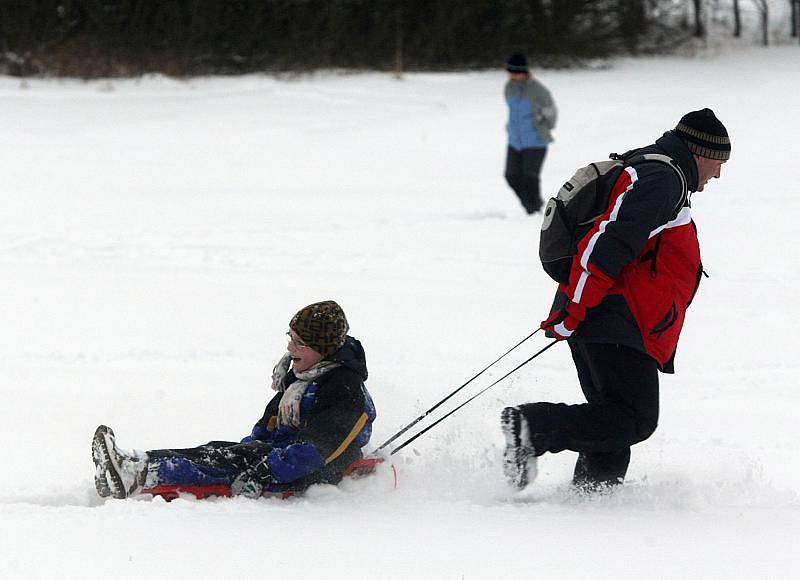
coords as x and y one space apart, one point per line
522 174
220 462
621 389
216 462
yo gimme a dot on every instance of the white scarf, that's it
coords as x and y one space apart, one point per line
289 407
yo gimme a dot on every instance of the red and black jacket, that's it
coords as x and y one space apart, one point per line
638 268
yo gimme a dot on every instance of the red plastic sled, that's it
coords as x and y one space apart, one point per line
356 470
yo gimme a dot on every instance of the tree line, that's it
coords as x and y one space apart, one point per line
89 38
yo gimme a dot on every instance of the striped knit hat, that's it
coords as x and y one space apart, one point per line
322 326
704 135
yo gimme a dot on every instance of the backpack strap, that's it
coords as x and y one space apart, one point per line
631 158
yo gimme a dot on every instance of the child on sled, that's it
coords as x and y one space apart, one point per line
311 431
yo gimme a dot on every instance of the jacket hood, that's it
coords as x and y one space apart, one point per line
351 355
674 146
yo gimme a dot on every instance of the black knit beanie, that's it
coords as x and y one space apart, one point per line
704 135
517 63
322 326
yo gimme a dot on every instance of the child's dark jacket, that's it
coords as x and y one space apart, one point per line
336 415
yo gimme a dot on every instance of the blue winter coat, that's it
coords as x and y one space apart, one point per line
532 115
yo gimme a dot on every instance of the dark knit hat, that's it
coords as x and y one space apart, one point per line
517 63
322 326
704 135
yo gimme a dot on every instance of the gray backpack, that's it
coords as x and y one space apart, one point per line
570 215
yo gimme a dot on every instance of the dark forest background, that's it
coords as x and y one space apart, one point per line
91 38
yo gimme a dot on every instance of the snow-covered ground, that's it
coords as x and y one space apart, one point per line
156 236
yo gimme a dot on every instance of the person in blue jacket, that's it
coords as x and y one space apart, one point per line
532 116
311 430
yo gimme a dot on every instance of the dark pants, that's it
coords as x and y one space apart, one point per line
215 463
220 462
522 174
621 389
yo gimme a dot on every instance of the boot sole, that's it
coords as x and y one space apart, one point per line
98 454
108 465
515 468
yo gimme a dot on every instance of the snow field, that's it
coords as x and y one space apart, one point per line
158 235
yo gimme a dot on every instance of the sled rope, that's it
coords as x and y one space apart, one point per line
437 405
472 398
